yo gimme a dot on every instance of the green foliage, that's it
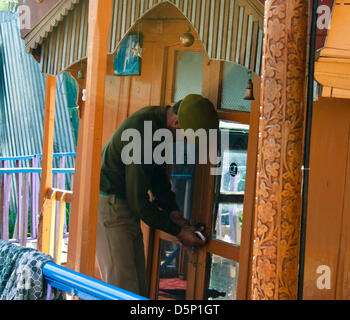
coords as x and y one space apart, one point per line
12 222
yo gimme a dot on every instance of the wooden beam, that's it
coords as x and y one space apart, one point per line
46 176
238 116
333 73
280 154
83 220
223 249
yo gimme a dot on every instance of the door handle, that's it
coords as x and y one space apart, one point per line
199 225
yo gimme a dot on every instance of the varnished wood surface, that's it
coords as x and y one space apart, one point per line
279 176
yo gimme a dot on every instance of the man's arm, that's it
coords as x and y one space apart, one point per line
138 182
165 198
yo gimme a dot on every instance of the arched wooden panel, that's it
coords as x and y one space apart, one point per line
230 30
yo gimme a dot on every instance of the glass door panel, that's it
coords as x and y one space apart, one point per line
222 264
228 227
223 278
173 258
173 261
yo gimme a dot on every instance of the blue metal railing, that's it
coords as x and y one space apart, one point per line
82 286
70 281
19 188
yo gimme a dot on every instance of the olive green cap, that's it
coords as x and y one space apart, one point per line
197 112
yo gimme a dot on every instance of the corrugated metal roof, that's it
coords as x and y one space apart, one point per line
40 32
22 94
230 30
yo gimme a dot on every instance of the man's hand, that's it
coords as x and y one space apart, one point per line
178 219
188 237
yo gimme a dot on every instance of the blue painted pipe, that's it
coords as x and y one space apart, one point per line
55 155
16 158
34 170
83 286
182 176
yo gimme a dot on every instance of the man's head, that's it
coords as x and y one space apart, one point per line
173 119
193 112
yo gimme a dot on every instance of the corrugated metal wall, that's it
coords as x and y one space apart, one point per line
8 5
22 94
230 30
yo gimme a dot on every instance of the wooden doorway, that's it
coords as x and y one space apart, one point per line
169 72
223 203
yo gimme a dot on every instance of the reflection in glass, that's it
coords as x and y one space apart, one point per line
234 172
228 226
172 283
223 279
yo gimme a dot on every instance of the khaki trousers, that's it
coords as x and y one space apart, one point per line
119 246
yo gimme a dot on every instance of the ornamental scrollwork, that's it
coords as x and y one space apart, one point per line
278 195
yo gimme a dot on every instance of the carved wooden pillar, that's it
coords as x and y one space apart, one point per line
278 195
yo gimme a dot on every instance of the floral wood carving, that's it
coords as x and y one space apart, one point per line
278 195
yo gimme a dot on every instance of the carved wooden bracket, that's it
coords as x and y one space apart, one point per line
78 72
278 195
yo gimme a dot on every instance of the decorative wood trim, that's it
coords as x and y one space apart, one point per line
217 29
278 195
40 32
256 6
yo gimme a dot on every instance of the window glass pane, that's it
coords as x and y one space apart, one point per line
228 227
230 185
189 74
234 84
223 279
172 272
234 165
234 172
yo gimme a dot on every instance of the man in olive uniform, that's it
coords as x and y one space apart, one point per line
124 195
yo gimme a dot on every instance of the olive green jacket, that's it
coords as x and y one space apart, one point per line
132 182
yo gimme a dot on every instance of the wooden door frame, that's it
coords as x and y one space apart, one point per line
205 182
169 85
203 200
